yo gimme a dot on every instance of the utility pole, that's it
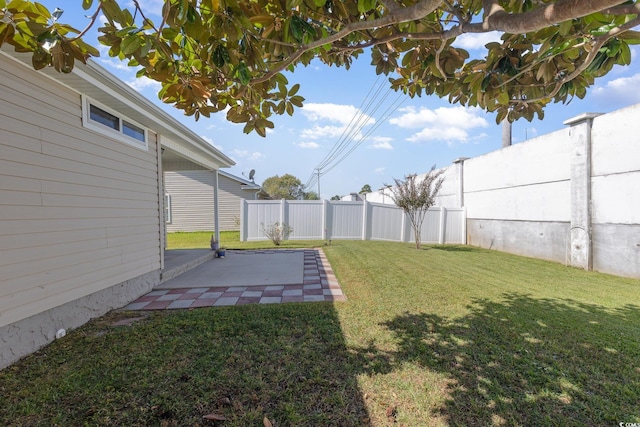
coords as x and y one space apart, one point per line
506 133
318 169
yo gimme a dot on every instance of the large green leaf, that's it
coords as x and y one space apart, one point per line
243 74
130 44
366 5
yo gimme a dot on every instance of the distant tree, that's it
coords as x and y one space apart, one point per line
283 187
336 197
415 196
311 195
263 195
365 189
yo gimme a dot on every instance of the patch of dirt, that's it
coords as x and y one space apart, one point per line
127 321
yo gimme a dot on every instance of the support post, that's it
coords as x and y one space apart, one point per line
580 232
216 206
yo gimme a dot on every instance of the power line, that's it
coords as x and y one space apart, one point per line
397 103
357 122
351 137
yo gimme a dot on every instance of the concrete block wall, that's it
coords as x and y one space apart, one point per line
516 198
615 192
572 196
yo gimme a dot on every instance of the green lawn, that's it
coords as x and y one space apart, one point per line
229 240
447 335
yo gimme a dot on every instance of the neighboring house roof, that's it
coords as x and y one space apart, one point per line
245 184
97 83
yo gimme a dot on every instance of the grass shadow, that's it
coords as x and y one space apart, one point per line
288 362
526 361
452 248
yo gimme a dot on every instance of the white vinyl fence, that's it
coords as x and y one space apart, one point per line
324 220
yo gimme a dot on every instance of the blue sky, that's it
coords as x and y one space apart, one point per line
399 137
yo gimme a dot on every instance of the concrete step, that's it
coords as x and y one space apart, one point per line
175 272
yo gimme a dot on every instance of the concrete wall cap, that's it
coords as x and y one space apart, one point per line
581 118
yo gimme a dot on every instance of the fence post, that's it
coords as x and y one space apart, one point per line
325 206
403 227
464 225
283 212
364 219
243 220
443 213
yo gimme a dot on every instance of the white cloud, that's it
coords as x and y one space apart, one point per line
382 146
245 154
319 132
308 145
343 114
379 171
381 143
114 63
619 91
142 83
476 41
210 141
450 124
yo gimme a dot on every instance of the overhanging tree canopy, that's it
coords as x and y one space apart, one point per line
210 55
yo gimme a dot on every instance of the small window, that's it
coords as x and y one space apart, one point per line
99 115
133 131
104 121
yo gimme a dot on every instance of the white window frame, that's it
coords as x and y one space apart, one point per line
118 134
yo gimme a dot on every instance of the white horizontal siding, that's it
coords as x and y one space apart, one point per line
192 200
230 192
79 212
192 206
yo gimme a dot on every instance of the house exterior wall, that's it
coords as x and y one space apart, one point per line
79 214
192 200
192 204
230 194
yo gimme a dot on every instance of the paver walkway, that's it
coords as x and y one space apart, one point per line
318 284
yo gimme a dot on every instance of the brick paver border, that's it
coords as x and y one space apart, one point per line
318 284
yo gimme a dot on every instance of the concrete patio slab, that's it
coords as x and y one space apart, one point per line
248 277
243 268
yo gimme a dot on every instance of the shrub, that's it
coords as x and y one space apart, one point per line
277 232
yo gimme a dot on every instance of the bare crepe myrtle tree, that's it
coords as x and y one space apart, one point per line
416 195
277 232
